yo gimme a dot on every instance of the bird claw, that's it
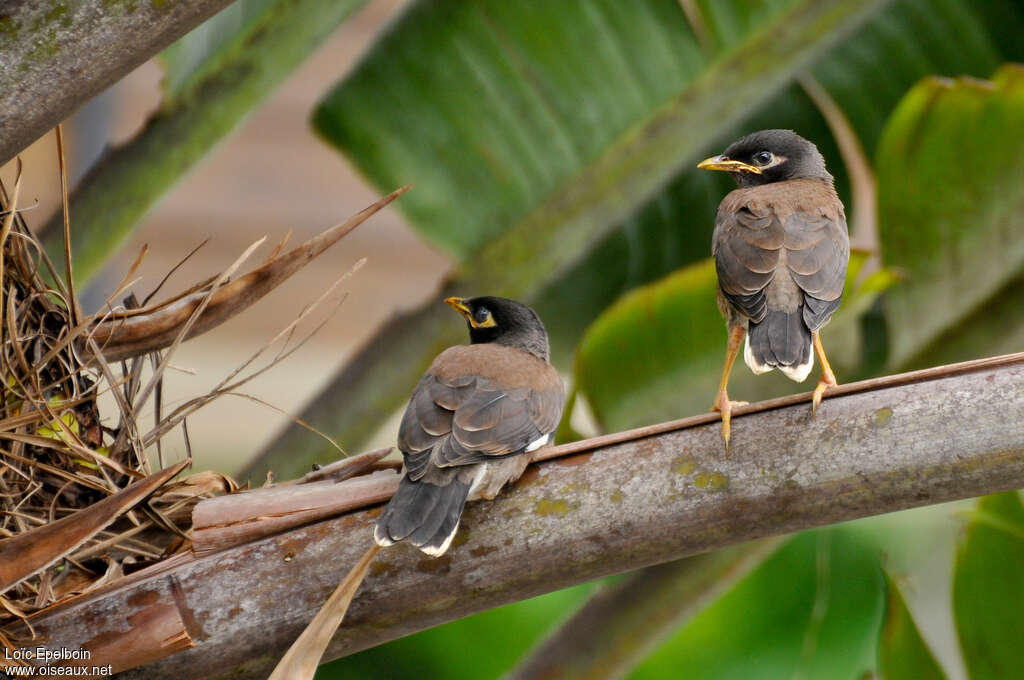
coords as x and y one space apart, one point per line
725 406
819 391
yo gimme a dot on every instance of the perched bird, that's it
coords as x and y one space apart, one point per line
781 248
472 422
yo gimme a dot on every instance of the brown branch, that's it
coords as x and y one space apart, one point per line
875 447
55 55
128 333
226 521
885 381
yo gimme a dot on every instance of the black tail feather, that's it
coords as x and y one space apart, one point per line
780 339
426 514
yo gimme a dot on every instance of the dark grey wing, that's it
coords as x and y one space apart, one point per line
817 252
746 247
468 419
428 419
499 421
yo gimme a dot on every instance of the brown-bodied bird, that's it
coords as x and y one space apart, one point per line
472 422
781 248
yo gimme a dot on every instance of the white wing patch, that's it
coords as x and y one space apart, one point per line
479 479
537 443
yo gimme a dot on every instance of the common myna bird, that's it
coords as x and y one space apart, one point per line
781 247
472 422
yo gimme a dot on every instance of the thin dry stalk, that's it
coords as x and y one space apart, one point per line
79 507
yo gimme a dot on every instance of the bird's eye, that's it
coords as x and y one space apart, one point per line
481 314
763 157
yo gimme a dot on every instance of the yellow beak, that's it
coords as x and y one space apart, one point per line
459 306
727 165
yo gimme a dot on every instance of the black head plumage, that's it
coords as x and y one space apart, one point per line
779 155
503 321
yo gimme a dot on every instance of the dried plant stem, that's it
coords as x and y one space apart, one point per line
303 657
69 280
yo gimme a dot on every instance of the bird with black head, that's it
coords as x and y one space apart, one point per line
781 247
473 422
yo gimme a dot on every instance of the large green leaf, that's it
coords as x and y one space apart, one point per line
997 327
657 353
951 198
215 75
988 589
491 106
902 652
812 610
621 161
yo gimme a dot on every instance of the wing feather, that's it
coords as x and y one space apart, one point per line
746 249
817 252
454 420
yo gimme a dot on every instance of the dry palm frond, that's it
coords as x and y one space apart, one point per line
302 658
80 505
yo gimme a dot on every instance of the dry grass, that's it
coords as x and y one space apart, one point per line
78 507
57 456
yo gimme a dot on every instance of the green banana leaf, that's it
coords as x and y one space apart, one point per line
988 589
997 327
951 197
481 646
902 652
214 76
502 103
812 610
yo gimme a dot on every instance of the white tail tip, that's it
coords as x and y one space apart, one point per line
748 358
443 548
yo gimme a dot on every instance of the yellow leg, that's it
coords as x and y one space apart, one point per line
828 378
722 403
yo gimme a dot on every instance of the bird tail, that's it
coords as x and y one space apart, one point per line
781 340
425 514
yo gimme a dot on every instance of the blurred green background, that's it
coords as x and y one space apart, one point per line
553 146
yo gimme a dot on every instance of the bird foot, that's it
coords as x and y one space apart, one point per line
725 406
819 391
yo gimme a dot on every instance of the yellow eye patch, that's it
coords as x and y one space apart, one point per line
485 320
